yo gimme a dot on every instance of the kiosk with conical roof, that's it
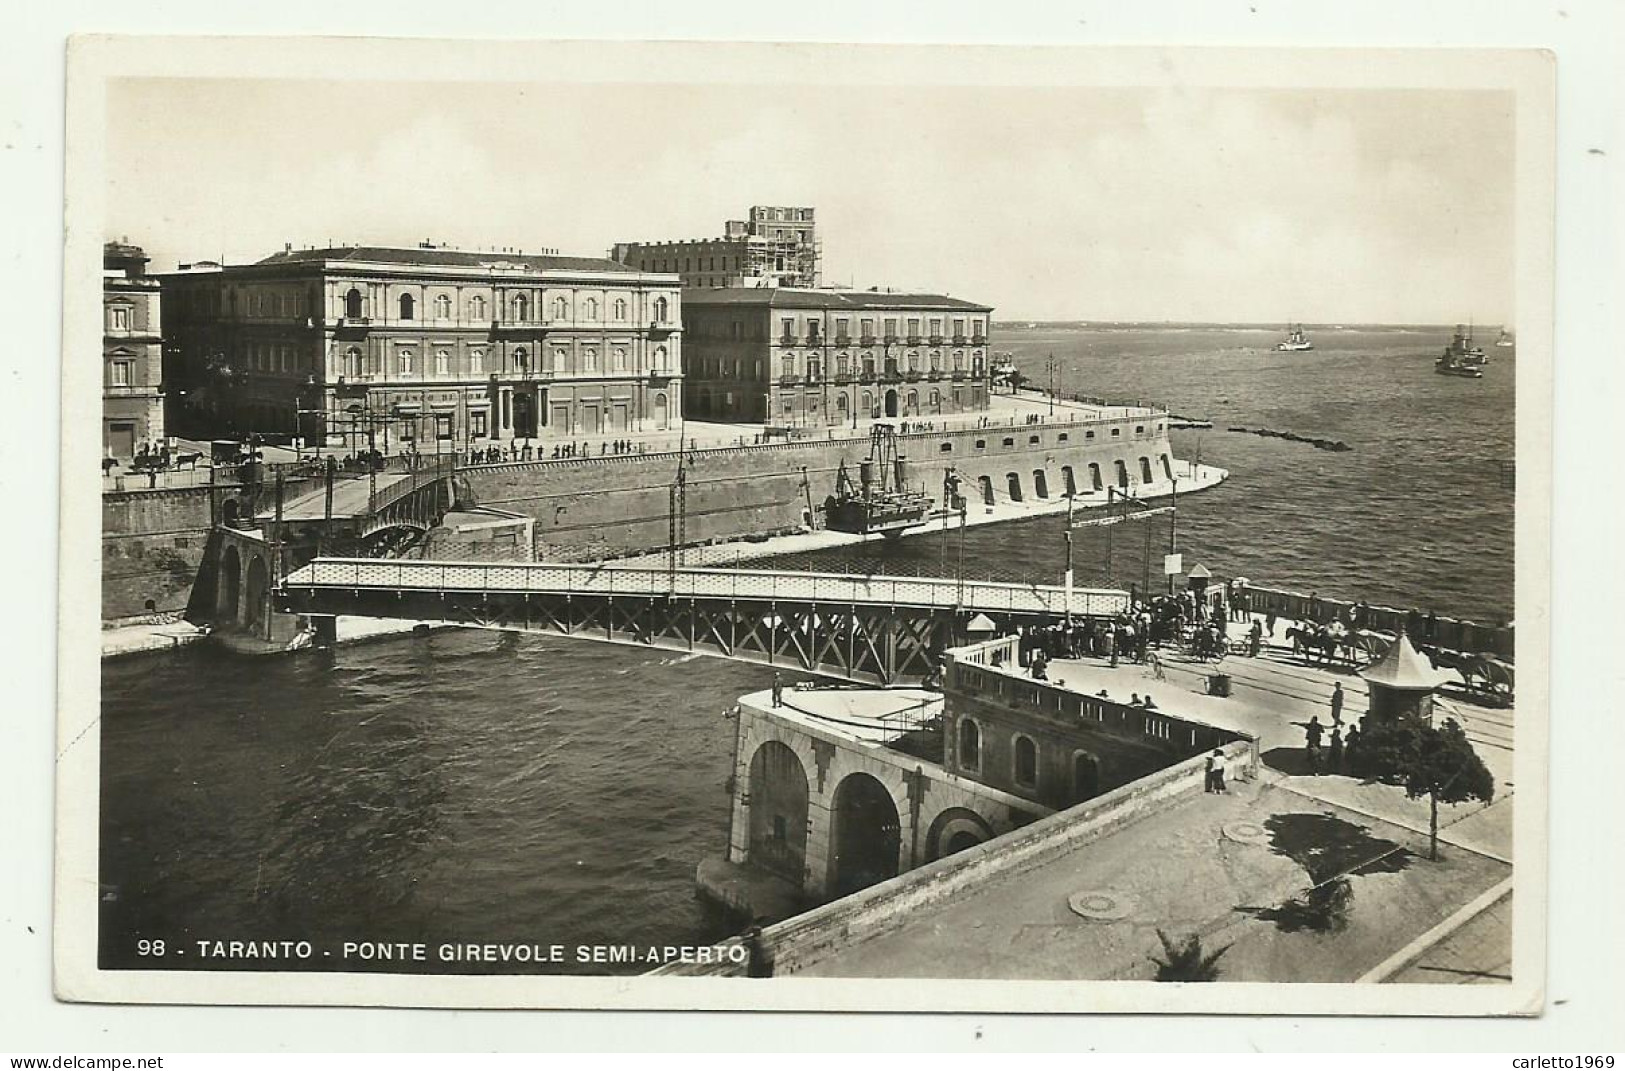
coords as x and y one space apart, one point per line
1402 683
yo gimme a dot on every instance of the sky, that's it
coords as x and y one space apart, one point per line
1046 202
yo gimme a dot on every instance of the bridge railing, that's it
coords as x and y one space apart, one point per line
752 584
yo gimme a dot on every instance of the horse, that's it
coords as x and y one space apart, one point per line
189 460
1312 642
109 464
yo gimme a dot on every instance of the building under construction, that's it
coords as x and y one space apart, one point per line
775 246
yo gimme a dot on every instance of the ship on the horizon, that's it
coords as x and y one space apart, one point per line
1505 339
1461 357
1295 341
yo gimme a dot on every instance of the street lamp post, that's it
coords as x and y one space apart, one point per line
1051 365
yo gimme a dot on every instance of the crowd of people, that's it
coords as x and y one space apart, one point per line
518 450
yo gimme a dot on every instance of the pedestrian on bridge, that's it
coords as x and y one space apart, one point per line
1337 703
778 690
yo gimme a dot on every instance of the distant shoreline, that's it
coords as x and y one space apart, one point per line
1176 325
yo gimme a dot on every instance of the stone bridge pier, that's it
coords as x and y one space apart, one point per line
247 571
821 803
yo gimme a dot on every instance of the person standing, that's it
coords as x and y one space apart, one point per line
1351 749
1334 751
778 690
1255 639
1313 732
1337 703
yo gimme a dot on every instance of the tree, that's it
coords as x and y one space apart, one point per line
1186 961
1433 761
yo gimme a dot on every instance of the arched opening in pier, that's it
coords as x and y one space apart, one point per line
1069 481
1040 483
970 746
867 834
231 579
254 598
778 811
1122 475
1013 479
1085 776
954 830
1094 477
1025 761
1145 470
891 403
986 484
1167 469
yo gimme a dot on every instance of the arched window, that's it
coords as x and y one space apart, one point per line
661 309
352 363
408 306
936 399
561 308
1145 470
476 308
476 362
617 359
913 400
936 360
589 360
840 403
660 358
1026 761
442 363
442 307
843 366
976 364
814 369
406 362
521 359
620 308
352 304
591 308
970 745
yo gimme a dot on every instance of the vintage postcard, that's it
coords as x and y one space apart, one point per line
721 526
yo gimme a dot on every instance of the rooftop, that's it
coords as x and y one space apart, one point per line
783 297
444 258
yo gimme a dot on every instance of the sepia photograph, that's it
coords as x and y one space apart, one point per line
806 527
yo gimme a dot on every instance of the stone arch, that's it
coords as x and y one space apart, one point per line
231 579
1013 479
256 593
778 811
1085 776
970 745
891 403
866 834
1024 761
662 413
954 830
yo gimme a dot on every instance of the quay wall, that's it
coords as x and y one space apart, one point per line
825 931
600 507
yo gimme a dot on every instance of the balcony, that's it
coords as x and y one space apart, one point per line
868 340
814 340
912 375
959 340
891 339
661 327
843 378
866 376
934 375
353 321
843 340
936 340
958 374
525 325
789 340
915 340
789 381
978 340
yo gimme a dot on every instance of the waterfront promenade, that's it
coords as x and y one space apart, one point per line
1303 877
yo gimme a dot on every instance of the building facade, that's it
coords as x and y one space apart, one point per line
774 246
810 358
423 347
132 353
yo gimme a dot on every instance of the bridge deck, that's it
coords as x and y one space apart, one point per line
755 585
352 497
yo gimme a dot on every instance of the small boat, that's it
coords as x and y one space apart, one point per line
880 499
1295 340
1505 340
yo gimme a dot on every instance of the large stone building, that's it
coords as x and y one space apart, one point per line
427 346
775 246
132 354
800 357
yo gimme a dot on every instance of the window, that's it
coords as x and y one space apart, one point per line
913 327
813 369
891 327
842 365
976 328
660 358
591 308
561 308
589 360
408 306
662 307
787 329
560 360
476 362
1026 762
959 327
476 308
442 307
617 359
970 745
866 328
406 362
118 317
521 359
118 373
620 309
519 309
840 403
913 360
352 363
841 329
476 423
959 360
442 363
352 304
788 365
